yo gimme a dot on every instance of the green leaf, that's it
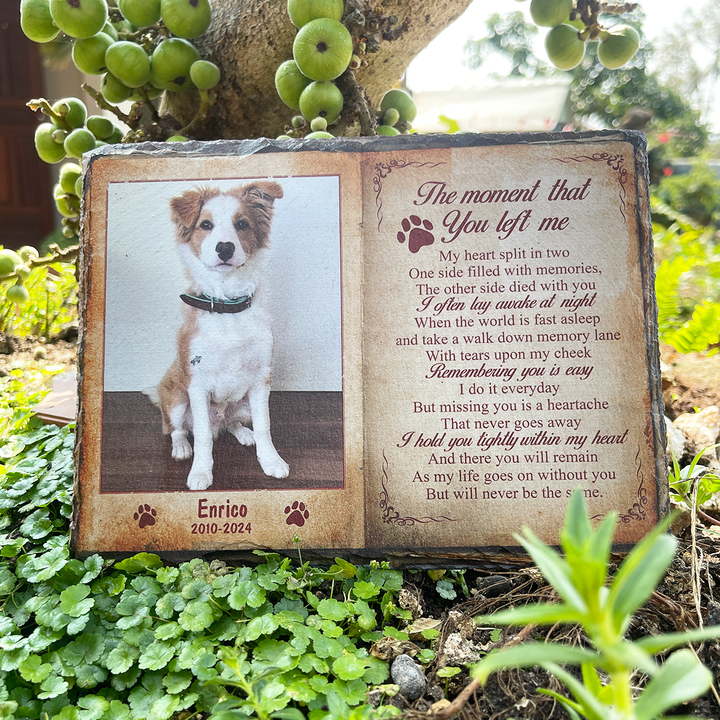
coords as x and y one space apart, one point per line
445 589
259 626
540 614
89 676
365 590
168 575
7 580
333 609
349 667
327 647
52 686
95 707
33 669
530 654
156 656
657 643
246 593
590 706
176 682
73 602
140 563
639 574
121 658
377 671
682 678
554 568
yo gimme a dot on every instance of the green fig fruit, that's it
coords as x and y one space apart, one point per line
564 48
318 124
100 126
402 102
140 12
113 90
171 63
69 173
322 49
9 260
386 130
79 141
28 253
290 82
36 21
73 110
549 13
204 74
186 18
48 150
177 138
89 54
321 100
301 12
18 294
79 18
319 135
618 46
129 63
391 117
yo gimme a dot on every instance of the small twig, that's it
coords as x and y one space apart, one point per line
469 690
102 103
207 99
45 108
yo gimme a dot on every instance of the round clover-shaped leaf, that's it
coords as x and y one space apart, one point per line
121 658
332 609
196 616
33 669
349 667
156 656
74 600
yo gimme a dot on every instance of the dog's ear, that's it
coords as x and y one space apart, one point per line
185 210
264 192
260 196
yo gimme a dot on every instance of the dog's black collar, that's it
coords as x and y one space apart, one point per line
215 305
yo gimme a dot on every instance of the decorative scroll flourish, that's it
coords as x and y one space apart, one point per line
638 509
615 162
383 169
391 516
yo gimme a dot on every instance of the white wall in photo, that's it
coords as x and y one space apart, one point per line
145 278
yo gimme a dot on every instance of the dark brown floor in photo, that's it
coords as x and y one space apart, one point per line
306 429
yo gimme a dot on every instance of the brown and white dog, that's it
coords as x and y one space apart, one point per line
220 379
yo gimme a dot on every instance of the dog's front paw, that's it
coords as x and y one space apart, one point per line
274 466
199 479
181 447
244 435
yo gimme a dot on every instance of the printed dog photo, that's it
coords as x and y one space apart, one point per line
220 379
223 355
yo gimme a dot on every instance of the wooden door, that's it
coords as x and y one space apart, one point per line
26 207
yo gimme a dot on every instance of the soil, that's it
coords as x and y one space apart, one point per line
689 382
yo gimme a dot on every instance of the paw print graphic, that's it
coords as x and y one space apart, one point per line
297 514
417 236
145 516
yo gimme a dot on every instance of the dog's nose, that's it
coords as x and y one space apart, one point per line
225 250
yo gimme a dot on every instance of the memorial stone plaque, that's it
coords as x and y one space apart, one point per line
403 347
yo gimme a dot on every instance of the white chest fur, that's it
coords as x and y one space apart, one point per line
230 352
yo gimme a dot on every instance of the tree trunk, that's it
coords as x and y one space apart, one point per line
248 39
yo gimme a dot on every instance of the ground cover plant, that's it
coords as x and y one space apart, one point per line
604 608
687 282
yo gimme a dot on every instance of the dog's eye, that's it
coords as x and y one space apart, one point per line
241 224
206 225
